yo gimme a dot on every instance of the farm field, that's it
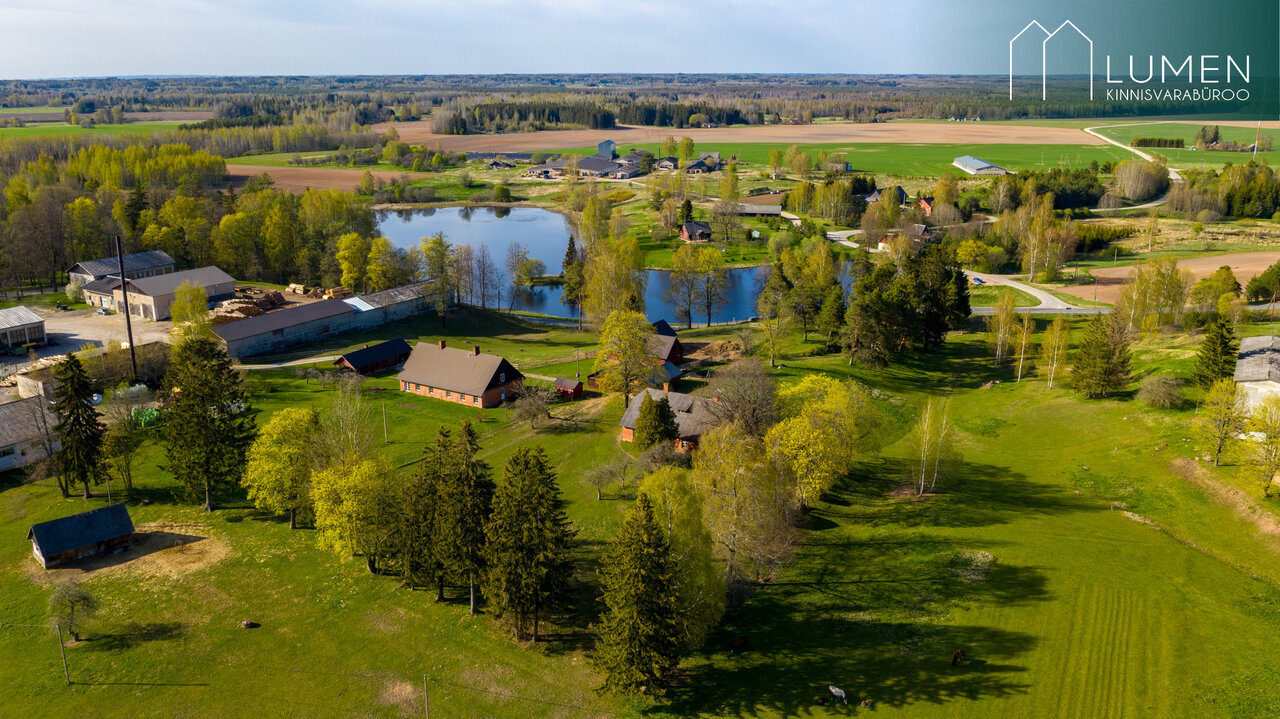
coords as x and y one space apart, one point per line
1111 552
419 132
1186 159
48 129
906 159
1112 280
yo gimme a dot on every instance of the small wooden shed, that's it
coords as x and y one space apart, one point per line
97 531
370 359
570 388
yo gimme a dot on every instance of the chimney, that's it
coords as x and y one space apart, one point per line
715 398
475 350
666 387
441 343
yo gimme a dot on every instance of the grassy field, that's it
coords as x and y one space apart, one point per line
912 160
30 110
1125 579
1185 159
47 299
47 129
987 295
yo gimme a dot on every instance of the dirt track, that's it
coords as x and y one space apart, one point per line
297 179
961 132
1111 280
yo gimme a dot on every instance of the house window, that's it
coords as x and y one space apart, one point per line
6 451
475 400
448 394
431 390
502 378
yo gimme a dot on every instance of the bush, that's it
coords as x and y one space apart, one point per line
664 455
1161 392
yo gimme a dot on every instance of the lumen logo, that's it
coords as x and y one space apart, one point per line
1044 53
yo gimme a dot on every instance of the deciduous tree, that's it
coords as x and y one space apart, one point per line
1221 418
278 471
625 360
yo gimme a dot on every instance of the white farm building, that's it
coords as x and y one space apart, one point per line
1258 367
976 166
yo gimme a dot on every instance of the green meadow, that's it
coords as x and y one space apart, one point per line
1082 558
48 129
908 159
1186 159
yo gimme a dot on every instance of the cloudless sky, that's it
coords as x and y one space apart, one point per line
70 38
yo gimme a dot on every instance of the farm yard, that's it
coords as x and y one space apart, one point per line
1073 573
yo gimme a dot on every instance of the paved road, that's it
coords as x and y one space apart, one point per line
1047 301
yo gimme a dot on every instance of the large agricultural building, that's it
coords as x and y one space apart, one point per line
20 326
137 265
977 166
283 329
1258 368
151 297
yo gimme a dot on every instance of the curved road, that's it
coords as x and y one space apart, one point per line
1174 177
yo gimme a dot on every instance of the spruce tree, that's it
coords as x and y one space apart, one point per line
527 543
645 434
666 429
418 518
78 428
638 647
1216 358
831 316
1102 363
209 427
465 499
570 255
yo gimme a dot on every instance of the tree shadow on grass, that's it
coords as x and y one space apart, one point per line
572 629
134 634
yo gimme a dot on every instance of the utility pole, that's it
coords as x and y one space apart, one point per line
66 673
426 703
128 324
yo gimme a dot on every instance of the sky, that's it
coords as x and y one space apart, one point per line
63 38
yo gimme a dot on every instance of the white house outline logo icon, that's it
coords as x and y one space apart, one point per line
1044 53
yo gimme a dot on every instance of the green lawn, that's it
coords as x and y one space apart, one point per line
1170 610
46 129
31 110
908 159
47 299
987 295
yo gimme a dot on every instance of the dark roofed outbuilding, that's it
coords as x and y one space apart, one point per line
378 357
664 328
96 531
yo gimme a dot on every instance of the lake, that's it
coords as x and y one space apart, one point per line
545 234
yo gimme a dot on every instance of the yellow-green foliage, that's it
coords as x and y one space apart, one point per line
823 428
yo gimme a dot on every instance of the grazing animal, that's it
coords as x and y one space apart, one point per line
839 693
957 657
739 644
866 703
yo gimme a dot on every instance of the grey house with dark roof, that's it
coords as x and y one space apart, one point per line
463 376
97 531
694 416
138 264
26 432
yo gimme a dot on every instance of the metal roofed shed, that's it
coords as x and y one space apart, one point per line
20 326
138 264
274 331
86 534
377 357
977 166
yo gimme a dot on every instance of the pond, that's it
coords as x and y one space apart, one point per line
545 234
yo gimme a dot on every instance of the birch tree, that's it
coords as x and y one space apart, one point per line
1263 461
1023 329
932 442
1000 325
1053 351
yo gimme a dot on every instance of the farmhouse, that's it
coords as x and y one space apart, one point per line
926 205
694 416
281 329
19 326
458 375
975 166
895 192
151 297
667 163
695 232
570 388
698 166
368 360
666 348
26 432
138 264
97 531
1258 368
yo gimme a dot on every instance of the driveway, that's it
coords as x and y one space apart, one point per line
73 330
1047 301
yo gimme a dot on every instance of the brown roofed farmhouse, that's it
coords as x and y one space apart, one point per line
458 375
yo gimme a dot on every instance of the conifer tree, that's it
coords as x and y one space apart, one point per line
1102 362
78 428
526 543
638 646
419 519
831 316
464 502
1216 358
645 434
209 428
666 429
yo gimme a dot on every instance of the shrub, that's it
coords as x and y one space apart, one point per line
1161 391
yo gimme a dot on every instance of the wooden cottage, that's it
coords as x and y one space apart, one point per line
570 388
462 376
97 531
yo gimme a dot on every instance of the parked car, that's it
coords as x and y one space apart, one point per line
978 281
104 311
